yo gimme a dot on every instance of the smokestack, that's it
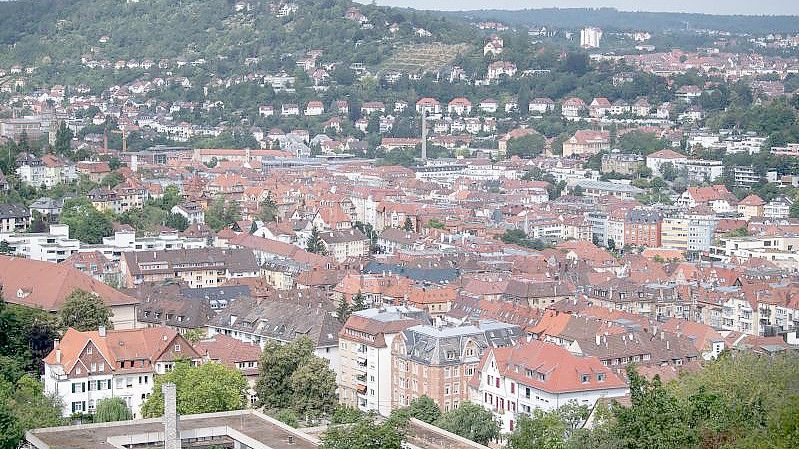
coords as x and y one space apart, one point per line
424 136
101 331
57 347
171 431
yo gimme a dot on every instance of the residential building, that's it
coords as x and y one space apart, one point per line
751 207
366 367
642 228
281 317
86 367
590 37
343 244
623 164
603 188
438 361
14 217
201 267
193 212
514 381
46 286
586 142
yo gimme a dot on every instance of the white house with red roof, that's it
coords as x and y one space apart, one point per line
86 367
511 381
656 160
460 106
429 106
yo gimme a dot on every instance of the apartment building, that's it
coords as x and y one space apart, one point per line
14 217
198 268
86 367
283 316
46 286
365 341
439 360
514 381
345 243
642 228
781 250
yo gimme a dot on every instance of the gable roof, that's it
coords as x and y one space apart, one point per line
46 285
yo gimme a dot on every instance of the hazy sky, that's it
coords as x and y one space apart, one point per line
757 7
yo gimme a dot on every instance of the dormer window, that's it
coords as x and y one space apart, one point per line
584 378
600 377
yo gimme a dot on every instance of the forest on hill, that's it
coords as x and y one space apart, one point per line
614 19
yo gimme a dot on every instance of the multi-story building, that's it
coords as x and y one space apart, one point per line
623 164
586 142
779 207
439 360
365 371
14 217
642 228
514 381
345 243
46 286
781 250
590 37
86 367
283 316
202 267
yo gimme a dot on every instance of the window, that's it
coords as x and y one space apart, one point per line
600 377
177 348
512 387
79 406
79 387
89 350
497 382
102 367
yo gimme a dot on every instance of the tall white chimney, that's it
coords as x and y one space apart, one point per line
171 419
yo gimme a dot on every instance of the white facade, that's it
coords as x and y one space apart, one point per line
507 398
590 37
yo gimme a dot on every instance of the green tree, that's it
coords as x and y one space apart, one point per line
221 214
657 418
195 335
278 364
668 171
424 409
84 311
358 302
343 311
314 388
543 430
210 387
112 409
470 421
63 140
85 222
364 434
528 146
794 210
287 416
315 244
408 225
176 221
29 407
344 414
267 210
